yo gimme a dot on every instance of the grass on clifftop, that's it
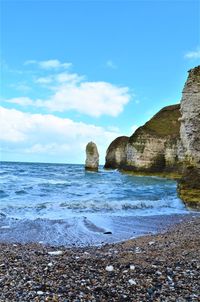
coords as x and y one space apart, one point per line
164 123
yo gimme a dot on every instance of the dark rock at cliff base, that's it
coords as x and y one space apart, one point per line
92 157
154 147
189 187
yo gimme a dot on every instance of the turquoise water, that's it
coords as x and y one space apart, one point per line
63 204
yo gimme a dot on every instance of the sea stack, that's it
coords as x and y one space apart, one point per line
92 157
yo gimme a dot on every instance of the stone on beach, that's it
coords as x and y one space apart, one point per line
55 253
109 268
132 282
132 267
92 157
165 271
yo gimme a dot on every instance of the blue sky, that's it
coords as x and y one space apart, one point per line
76 71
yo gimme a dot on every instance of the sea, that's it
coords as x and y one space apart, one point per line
62 204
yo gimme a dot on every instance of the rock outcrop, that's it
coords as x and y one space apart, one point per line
167 145
116 153
154 147
189 185
92 157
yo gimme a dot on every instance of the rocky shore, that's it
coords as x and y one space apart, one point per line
163 267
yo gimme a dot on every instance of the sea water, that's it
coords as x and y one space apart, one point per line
64 204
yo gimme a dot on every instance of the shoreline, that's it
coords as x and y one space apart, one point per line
64 232
161 267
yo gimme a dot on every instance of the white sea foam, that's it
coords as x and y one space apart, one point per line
54 199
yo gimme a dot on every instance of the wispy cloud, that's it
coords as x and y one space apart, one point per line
193 54
22 101
60 78
49 64
22 87
111 64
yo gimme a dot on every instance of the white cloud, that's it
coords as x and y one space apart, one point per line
44 80
37 134
72 78
49 64
91 98
22 101
72 93
111 64
193 54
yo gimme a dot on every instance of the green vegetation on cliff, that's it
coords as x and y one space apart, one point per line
145 150
162 124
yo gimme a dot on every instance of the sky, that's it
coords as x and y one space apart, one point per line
80 71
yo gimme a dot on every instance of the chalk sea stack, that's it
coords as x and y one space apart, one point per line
167 145
92 157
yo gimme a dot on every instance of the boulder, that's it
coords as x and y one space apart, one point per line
92 157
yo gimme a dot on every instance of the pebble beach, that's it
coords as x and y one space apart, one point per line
162 267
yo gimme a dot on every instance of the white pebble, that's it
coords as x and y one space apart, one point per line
132 267
132 282
39 292
137 250
151 242
50 264
169 279
55 253
109 268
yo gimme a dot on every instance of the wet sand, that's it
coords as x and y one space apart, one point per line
85 231
162 267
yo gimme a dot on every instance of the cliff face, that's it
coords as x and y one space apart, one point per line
154 147
189 186
190 117
168 144
116 153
